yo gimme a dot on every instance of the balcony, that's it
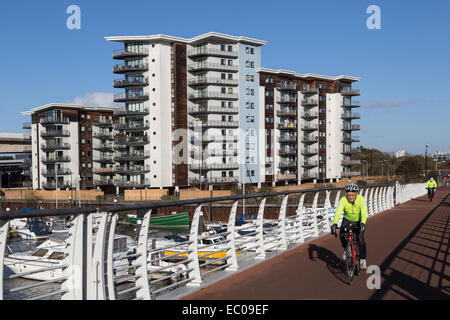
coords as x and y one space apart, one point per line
211 67
26 126
285 165
309 151
132 126
287 126
351 150
286 177
310 127
286 138
208 139
214 180
55 133
351 104
131 170
310 90
287 152
350 92
350 162
350 115
103 123
214 166
104 182
124 53
103 147
54 173
282 86
310 175
286 113
55 146
212 53
214 124
309 115
124 97
132 184
213 110
348 174
103 171
55 159
306 139
213 81
53 120
125 68
125 112
309 102
103 135
131 82
131 156
310 164
350 139
213 95
352 127
123 142
196 154
104 159
52 185
286 99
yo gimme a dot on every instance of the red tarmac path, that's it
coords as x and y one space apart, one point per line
410 244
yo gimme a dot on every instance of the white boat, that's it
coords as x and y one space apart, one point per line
31 228
51 253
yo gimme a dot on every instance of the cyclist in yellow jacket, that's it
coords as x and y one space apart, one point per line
354 207
431 186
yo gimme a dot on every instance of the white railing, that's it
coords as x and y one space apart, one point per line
92 270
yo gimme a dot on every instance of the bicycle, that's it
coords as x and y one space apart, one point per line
352 263
430 193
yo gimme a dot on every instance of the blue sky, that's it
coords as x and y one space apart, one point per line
404 66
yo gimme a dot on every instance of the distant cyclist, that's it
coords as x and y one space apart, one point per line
355 212
431 186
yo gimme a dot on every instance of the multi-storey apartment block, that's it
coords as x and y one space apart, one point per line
71 141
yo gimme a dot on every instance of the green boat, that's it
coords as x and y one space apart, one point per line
173 221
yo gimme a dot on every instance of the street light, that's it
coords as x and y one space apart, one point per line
387 170
426 151
381 162
364 162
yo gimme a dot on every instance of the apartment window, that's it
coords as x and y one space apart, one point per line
83 141
224 104
252 64
230 104
230 174
222 47
230 118
247 105
224 118
322 122
322 86
223 76
224 174
322 98
223 90
252 50
83 165
224 132
247 77
252 78
252 92
230 90
82 116
82 129
223 62
247 64
230 62
230 76
230 48
247 49
88 116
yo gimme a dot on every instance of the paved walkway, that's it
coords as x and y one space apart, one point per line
410 244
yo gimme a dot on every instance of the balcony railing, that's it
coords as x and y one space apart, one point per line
208 139
282 139
310 102
133 82
287 152
123 68
55 146
350 127
286 86
310 90
287 126
351 150
132 156
213 81
310 127
214 123
309 151
213 109
214 180
132 184
197 154
286 176
125 112
54 120
309 115
104 182
131 170
211 66
213 95
286 99
306 139
214 166
52 185
286 113
212 52
103 135
55 133
123 142
350 139
308 175
103 123
350 115
55 159
132 126
124 97
290 164
26 125
350 92
123 54
310 164
104 159
351 104
53 173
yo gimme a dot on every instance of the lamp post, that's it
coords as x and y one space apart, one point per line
426 151
387 170
381 162
364 165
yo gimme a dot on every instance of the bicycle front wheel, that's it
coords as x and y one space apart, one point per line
349 266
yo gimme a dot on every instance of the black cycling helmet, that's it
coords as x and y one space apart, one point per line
351 188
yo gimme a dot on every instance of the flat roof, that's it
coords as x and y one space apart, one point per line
68 106
167 38
308 76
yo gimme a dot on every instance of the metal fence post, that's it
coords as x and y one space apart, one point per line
375 201
299 220
260 251
327 207
96 275
314 212
4 228
141 261
193 264
110 260
231 235
282 240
